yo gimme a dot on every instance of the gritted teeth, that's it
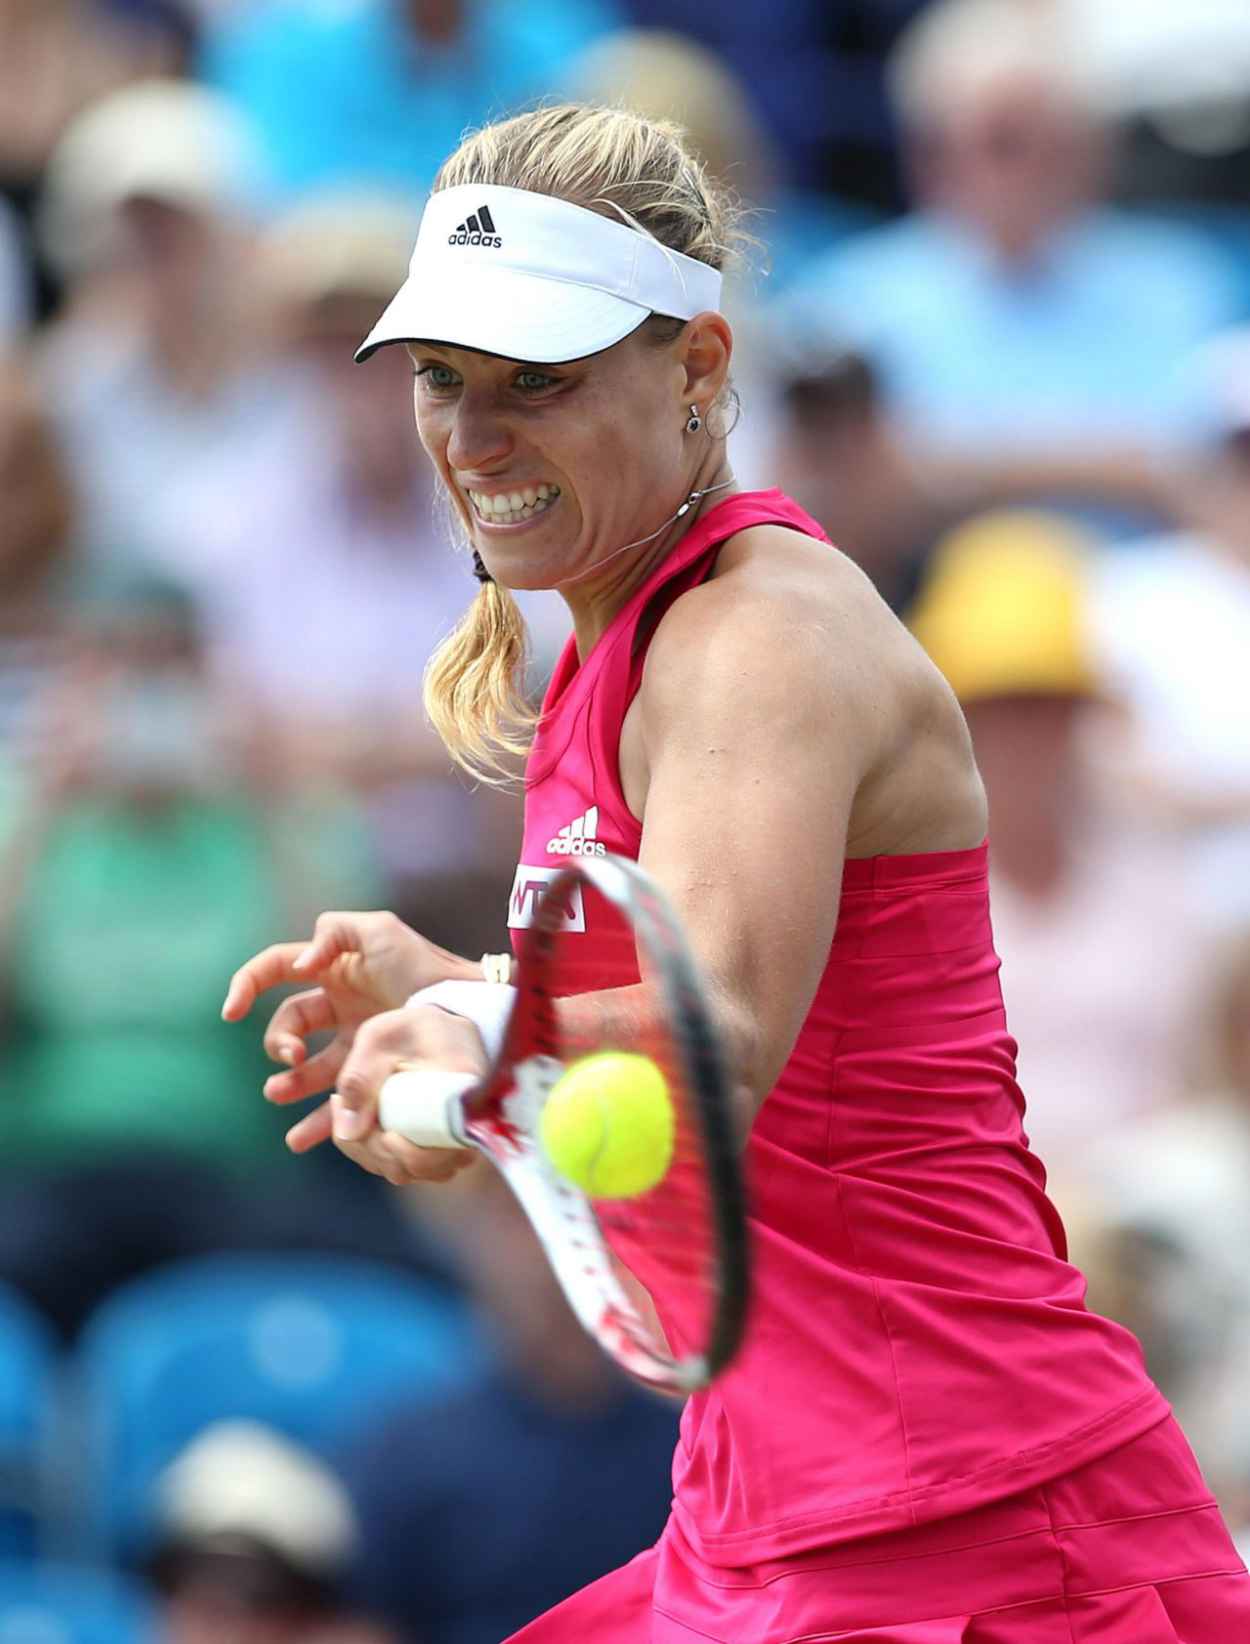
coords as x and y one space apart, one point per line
509 507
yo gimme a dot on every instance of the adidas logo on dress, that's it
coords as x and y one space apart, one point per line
479 229
578 838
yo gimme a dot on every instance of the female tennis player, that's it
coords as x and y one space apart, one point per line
926 1437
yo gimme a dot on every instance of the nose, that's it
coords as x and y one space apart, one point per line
480 438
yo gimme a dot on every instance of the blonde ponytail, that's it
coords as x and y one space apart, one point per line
475 688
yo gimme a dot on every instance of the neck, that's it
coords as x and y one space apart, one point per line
595 597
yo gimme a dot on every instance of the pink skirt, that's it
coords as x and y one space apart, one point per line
1130 1549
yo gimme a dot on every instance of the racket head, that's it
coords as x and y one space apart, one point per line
660 1279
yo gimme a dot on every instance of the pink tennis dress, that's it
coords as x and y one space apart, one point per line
920 1375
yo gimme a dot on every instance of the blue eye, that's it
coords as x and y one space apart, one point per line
439 376
533 382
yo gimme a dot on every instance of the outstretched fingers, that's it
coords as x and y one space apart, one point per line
292 1023
311 1130
334 935
310 1078
269 969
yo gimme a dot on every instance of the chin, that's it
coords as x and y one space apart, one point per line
525 565
526 579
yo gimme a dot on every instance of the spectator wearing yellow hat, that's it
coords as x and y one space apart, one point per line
1093 933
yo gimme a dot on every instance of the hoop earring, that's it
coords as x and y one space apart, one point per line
694 421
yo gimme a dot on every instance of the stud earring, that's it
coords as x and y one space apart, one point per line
695 421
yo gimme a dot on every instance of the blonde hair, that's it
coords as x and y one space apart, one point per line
623 166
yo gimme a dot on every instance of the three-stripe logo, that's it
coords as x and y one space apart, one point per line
578 838
477 229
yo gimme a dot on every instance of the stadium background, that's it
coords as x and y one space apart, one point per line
988 335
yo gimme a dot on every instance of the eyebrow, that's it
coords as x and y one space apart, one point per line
446 349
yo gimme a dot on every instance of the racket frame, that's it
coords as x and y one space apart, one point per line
500 1118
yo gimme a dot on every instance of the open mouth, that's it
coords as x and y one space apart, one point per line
512 507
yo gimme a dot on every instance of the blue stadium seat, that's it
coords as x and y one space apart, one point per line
312 1346
62 1604
28 1361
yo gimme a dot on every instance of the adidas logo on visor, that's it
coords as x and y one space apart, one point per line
478 229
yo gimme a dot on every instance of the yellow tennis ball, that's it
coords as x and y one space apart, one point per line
607 1125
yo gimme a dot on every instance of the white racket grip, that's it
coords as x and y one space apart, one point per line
423 1105
488 1005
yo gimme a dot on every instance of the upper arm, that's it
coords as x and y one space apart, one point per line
754 745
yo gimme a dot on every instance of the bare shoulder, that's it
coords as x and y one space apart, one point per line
790 644
790 616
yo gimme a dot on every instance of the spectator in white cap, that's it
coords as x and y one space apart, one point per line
153 368
252 1535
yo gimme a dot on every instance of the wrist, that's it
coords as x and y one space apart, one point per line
488 1005
447 967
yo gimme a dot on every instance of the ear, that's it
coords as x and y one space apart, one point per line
707 346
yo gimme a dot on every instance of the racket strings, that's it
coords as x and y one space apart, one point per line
665 1237
663 1262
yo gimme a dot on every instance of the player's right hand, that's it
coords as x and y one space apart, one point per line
360 964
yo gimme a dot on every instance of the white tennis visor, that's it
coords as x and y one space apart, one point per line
533 278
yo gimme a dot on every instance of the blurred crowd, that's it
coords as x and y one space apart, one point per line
995 337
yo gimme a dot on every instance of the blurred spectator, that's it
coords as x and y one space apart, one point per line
38 551
57 57
14 277
840 457
664 76
882 496
143 847
816 73
1172 622
1097 942
1176 79
379 92
667 76
161 34
1009 311
1168 1226
253 1537
153 367
342 538
551 1468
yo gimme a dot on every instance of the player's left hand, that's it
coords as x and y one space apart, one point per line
417 1037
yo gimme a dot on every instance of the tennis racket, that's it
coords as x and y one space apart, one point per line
659 1280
